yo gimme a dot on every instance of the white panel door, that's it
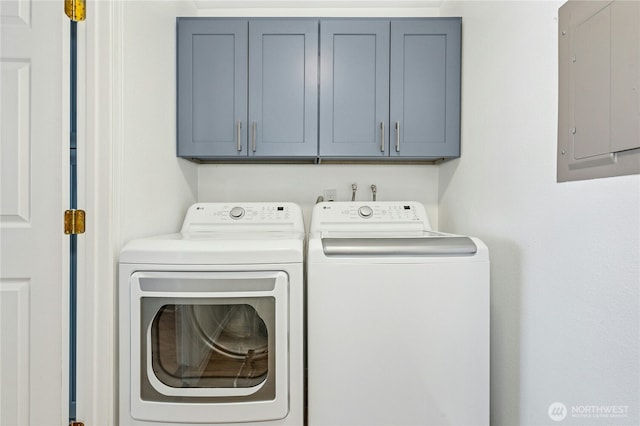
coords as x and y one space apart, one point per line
33 356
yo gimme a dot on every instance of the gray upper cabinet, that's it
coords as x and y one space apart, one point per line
425 88
212 87
303 88
390 88
283 88
247 88
354 88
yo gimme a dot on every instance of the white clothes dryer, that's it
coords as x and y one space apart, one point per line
398 319
211 319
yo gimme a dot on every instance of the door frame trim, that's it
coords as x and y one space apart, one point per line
100 147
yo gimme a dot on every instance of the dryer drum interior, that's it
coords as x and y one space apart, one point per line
210 345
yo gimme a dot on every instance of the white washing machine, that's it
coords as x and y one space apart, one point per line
211 319
398 319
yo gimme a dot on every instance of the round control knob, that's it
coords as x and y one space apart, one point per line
365 212
236 213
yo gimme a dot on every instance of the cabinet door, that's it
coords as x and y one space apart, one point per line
212 87
283 88
425 88
354 88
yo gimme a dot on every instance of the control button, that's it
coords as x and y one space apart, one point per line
365 212
236 213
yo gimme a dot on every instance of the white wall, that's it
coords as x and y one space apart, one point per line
302 183
319 8
565 274
156 186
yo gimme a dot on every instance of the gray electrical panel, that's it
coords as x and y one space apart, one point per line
599 89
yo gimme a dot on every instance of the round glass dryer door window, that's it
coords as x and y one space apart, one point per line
217 345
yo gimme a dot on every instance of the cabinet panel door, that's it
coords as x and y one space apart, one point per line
425 88
283 88
354 88
212 87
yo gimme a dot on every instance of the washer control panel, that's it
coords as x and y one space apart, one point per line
371 212
369 216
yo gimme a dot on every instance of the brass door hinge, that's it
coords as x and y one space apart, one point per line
76 424
75 9
74 222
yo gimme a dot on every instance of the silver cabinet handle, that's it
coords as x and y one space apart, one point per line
397 136
253 136
239 136
382 136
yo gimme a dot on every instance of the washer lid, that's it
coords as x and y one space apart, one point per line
384 232
431 245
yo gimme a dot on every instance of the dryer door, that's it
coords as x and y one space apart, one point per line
203 339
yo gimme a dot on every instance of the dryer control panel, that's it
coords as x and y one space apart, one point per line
229 217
